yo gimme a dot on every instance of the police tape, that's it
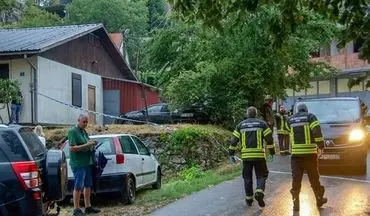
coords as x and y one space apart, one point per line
94 112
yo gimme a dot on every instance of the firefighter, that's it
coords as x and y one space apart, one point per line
282 130
364 108
307 143
267 113
251 133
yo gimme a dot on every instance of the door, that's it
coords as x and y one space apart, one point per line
155 114
91 97
132 162
148 163
111 105
4 71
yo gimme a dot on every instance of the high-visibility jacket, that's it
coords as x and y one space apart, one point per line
305 134
267 115
281 124
251 134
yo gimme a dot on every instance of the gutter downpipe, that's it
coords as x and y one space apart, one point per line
33 90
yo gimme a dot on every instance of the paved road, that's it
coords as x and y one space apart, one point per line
347 194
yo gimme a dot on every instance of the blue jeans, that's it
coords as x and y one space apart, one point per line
16 109
83 177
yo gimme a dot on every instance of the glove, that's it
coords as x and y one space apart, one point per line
232 159
270 158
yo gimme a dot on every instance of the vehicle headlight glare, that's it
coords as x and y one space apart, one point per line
356 135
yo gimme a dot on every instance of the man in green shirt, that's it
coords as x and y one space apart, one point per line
81 163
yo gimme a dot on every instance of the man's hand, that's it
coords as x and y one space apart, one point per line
270 158
92 142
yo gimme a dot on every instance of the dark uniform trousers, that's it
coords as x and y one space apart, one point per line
261 171
299 165
283 142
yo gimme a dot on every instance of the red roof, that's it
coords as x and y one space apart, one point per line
116 38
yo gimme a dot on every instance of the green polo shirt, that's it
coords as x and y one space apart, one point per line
78 136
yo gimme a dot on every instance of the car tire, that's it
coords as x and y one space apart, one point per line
55 176
128 191
158 184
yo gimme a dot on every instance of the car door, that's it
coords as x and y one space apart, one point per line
106 146
155 114
148 163
133 161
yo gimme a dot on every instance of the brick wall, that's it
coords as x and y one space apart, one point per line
344 61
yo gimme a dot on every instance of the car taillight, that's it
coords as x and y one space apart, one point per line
120 158
27 173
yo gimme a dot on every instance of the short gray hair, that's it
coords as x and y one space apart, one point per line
251 112
82 116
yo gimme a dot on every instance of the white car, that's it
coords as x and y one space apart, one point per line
130 166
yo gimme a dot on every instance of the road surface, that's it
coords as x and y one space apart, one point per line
347 194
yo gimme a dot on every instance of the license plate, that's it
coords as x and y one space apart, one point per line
330 157
187 115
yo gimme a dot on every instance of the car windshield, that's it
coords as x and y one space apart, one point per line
105 146
334 111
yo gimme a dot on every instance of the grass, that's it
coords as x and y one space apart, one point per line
175 188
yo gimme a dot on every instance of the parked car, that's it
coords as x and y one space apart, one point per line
130 166
160 114
32 178
344 131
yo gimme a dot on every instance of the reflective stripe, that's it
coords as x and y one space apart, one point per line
287 126
249 155
259 190
301 146
304 151
270 146
319 139
237 134
283 132
267 132
259 139
298 124
307 134
249 129
244 146
233 147
252 150
249 197
314 124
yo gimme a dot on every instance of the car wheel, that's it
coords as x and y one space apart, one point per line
158 183
128 191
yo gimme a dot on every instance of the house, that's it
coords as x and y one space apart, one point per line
350 67
62 70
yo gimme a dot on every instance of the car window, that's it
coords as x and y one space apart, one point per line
32 141
11 147
106 145
128 146
154 109
165 108
140 145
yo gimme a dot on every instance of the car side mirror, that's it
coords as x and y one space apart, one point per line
367 120
152 151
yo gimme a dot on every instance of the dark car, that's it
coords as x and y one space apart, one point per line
32 178
161 114
344 130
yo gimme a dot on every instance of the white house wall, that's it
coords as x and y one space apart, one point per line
20 70
55 80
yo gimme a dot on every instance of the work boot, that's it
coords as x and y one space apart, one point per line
295 197
259 197
320 199
249 202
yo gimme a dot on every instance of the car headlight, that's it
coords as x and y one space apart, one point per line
356 135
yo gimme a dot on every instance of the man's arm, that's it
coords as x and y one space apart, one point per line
316 131
267 135
73 145
234 141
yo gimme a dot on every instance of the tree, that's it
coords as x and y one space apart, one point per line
9 91
353 15
6 4
157 13
116 15
225 71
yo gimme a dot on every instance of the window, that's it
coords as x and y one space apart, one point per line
324 87
128 147
66 150
4 71
32 141
140 145
357 88
12 147
357 45
76 90
289 92
313 89
165 108
106 145
154 109
342 85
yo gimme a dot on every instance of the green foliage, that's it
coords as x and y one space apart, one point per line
6 4
157 14
349 13
9 90
116 15
226 71
191 173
